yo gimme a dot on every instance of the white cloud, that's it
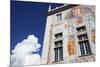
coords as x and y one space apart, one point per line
29 59
22 54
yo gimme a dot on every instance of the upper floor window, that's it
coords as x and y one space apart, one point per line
59 17
81 29
59 35
82 37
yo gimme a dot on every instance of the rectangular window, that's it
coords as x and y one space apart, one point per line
59 35
82 37
83 41
60 53
87 46
81 29
58 49
82 49
58 43
56 54
59 17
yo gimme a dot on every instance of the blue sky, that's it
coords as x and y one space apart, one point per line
28 18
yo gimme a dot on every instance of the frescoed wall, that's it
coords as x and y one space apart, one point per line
76 27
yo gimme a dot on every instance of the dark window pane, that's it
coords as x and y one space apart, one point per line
87 46
56 54
81 29
58 35
82 37
82 49
60 53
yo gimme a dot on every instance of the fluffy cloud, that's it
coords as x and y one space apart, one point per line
23 53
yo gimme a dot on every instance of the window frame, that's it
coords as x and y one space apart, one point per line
59 17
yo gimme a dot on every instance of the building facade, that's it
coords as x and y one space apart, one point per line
69 34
